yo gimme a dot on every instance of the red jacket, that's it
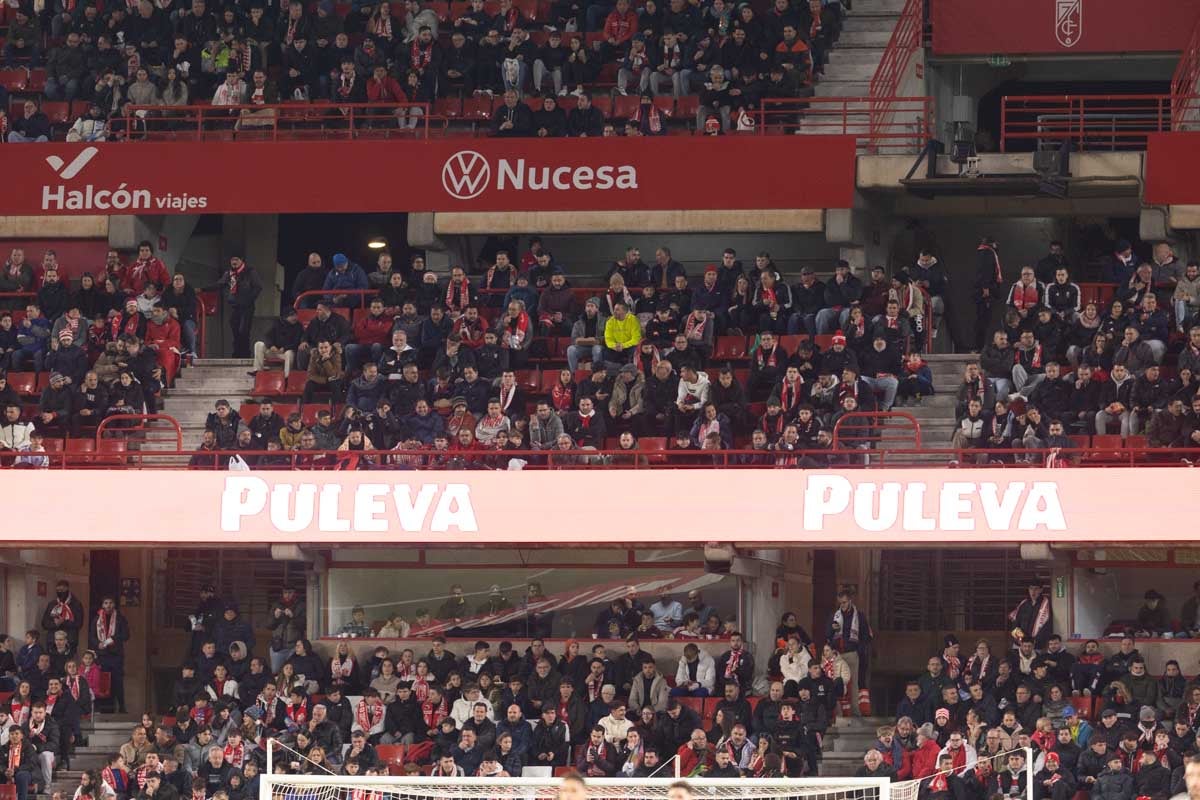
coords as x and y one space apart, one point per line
385 91
373 330
924 759
165 335
621 28
135 277
689 760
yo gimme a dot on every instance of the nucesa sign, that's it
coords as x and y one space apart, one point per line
701 173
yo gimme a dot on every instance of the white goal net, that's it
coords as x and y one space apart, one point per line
341 787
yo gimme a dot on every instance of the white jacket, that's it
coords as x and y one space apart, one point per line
795 668
615 729
463 709
706 672
693 395
841 670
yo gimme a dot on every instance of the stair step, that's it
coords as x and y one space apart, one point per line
865 38
876 7
864 23
224 362
836 87
841 57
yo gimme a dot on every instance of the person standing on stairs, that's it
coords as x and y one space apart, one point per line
850 634
241 287
107 637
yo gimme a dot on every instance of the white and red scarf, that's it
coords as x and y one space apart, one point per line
73 685
458 296
19 709
368 715
517 327
235 756
106 627
62 609
342 667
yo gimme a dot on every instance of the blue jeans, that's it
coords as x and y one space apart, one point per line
187 333
576 353
357 354
22 779
19 358
831 319
800 322
679 691
596 15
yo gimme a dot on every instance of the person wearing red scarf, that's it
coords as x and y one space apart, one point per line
1026 294
107 638
146 269
242 288
64 613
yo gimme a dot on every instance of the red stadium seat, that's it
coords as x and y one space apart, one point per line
247 412
14 80
308 412
604 103
1084 706
528 379
1105 448
391 756
295 382
449 107
730 348
549 378
625 106
23 383
477 108
792 341
687 106
81 445
268 384
58 111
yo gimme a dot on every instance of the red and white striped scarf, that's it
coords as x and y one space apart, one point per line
368 715
458 296
235 756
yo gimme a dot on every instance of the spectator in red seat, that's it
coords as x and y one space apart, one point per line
91 401
513 119
585 119
34 126
67 357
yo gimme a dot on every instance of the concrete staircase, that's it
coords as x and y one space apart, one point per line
845 743
853 61
196 392
936 414
107 735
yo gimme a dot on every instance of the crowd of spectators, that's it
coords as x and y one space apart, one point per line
175 53
1055 367
105 342
489 713
1100 725
432 363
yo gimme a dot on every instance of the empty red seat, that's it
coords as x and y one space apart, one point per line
59 111
391 756
528 379
23 383
449 107
477 108
295 382
268 384
792 341
625 106
604 103
730 348
1105 447
687 106
247 412
14 80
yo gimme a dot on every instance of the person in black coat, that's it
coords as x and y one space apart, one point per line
585 119
549 120
282 341
64 613
23 774
512 119
988 280
549 740
107 637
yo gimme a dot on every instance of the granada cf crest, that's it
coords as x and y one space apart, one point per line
1068 21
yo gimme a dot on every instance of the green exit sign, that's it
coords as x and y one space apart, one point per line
998 60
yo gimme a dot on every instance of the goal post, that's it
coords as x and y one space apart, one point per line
397 787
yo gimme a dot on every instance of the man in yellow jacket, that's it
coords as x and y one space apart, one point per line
622 335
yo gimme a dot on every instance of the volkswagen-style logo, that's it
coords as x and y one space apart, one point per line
466 174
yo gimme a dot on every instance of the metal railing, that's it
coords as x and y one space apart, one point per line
1108 122
904 43
283 121
905 129
885 430
137 426
118 454
1185 84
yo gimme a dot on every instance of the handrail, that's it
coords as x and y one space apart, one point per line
263 122
871 427
1185 83
1090 122
908 127
114 426
904 42
1096 456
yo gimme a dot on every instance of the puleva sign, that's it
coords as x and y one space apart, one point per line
667 173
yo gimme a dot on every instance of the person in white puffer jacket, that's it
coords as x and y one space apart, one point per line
90 127
696 674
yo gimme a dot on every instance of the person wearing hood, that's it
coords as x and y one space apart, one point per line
345 276
925 757
232 628
1115 405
